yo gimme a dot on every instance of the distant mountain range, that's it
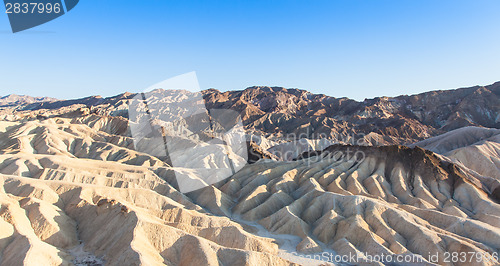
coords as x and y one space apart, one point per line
16 100
277 112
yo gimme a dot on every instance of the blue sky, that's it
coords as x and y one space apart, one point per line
344 48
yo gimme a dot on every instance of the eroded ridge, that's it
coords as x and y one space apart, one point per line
75 180
397 200
76 183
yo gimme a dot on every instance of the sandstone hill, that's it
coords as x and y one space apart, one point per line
77 182
474 147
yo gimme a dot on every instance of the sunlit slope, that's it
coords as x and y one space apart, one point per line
69 181
71 176
396 201
474 147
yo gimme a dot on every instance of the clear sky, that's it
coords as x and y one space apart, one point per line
358 49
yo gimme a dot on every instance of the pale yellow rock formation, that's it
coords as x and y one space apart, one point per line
67 182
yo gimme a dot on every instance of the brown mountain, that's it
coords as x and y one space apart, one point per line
404 119
278 112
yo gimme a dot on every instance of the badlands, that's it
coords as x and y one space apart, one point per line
411 175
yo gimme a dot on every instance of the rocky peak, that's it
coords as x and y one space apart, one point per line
16 100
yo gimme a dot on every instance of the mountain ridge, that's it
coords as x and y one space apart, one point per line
278 112
14 99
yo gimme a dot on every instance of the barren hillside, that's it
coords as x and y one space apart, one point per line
76 190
